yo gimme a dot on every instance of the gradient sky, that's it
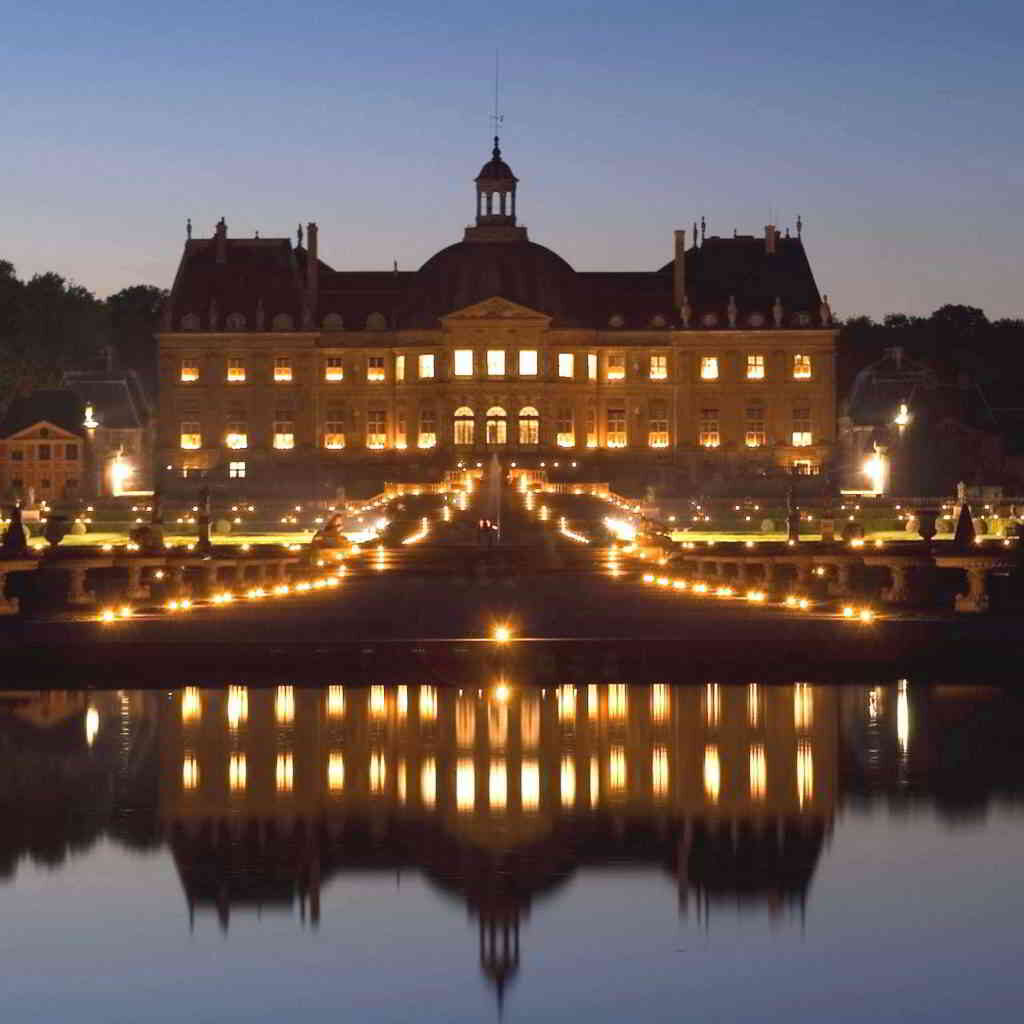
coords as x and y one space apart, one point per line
892 128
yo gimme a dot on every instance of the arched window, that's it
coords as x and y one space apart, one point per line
464 425
497 425
529 425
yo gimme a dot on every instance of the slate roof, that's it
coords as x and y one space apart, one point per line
117 399
59 406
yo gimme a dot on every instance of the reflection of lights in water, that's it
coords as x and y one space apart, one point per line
501 634
189 772
378 702
237 773
497 724
335 701
659 771
402 701
567 781
758 772
529 722
465 721
803 705
428 703
529 785
336 771
284 772
378 771
428 782
753 705
400 780
616 769
804 772
712 773
502 693
618 700
565 697
595 782
284 705
465 785
659 702
712 705
238 706
497 786
191 704
903 717
592 701
92 725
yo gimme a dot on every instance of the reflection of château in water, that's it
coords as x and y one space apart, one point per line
498 794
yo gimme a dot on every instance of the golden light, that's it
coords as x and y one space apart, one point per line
529 785
428 782
107 615
428 703
712 704
659 771
567 781
804 772
565 698
335 701
378 701
753 705
378 771
660 702
501 634
712 773
497 786
465 785
335 771
92 725
237 773
189 772
803 705
502 692
648 577
284 705
902 716
191 704
848 611
237 706
758 772
284 772
867 616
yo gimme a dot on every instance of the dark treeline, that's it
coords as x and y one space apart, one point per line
49 324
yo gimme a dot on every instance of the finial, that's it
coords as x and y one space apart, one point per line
395 267
694 232
257 234
703 229
188 229
799 226
300 235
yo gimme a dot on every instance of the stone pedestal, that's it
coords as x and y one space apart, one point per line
977 569
842 585
77 593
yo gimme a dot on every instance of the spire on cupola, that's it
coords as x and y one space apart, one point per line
496 191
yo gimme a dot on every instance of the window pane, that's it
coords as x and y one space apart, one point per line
426 366
496 362
282 369
566 364
528 362
617 367
755 367
333 369
399 367
659 367
801 367
592 366
709 367
463 362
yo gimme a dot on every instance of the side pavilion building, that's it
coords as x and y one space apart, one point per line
280 374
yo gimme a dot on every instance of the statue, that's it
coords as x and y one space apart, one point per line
732 311
777 311
329 535
214 315
825 311
15 540
203 545
686 312
261 315
792 516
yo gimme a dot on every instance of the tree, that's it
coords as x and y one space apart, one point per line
134 318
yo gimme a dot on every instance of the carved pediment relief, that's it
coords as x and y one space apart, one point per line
496 309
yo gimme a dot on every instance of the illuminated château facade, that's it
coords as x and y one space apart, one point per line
278 372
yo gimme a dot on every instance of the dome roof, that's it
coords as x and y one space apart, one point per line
470 272
496 169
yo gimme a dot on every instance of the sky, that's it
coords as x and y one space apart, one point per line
891 128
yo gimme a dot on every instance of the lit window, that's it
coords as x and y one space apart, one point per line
528 362
709 367
802 436
236 371
463 362
189 370
237 436
284 430
591 366
399 367
497 425
657 426
591 427
335 771
755 435
567 781
617 367
529 425
805 467
712 773
376 429
236 470
565 435
497 785
428 428
334 370
191 435
428 782
465 785
334 429
566 364
758 772
709 435
755 366
659 771
801 367
659 367
495 362
375 368
464 425
282 370
426 366
529 785
616 436
400 431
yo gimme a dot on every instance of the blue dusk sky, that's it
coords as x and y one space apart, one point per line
893 129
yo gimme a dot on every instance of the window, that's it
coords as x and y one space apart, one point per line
44 484
657 426
566 364
44 453
284 430
591 366
616 437
755 436
495 362
709 367
617 367
334 370
427 366
463 362
463 425
801 367
236 470
659 367
805 467
565 433
237 435
376 428
334 429
399 367
191 435
189 370
375 368
709 435
17 455
236 371
428 427
282 370
401 430
802 428
755 366
497 425
71 451
528 362
591 427
529 425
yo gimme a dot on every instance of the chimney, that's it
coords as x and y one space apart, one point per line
312 265
679 279
220 237
770 235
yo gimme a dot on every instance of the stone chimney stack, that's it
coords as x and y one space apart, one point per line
770 236
679 279
312 264
220 238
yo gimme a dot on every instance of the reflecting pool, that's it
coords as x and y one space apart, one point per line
587 852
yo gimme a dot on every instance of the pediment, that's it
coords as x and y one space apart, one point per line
498 309
32 433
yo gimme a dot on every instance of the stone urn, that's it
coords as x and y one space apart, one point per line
56 529
926 519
